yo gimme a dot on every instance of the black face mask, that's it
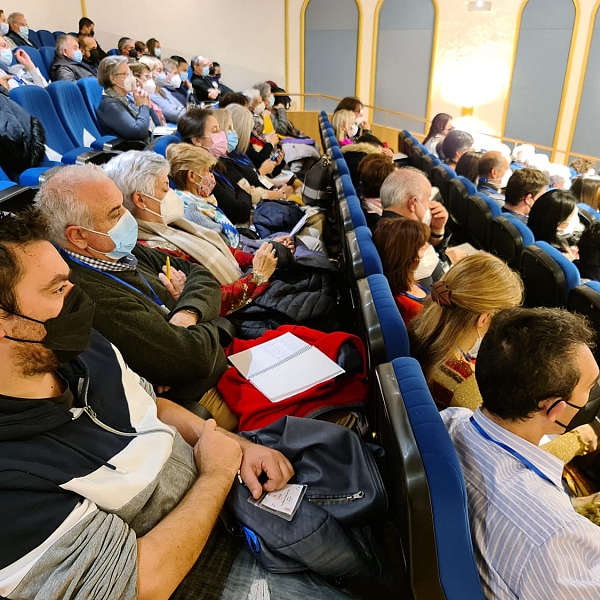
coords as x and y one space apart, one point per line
68 334
133 53
92 33
94 56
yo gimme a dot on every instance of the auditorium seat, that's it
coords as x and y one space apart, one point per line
356 211
342 167
34 38
37 60
364 258
456 201
481 209
548 276
91 91
508 237
47 53
57 34
46 38
426 487
441 177
114 52
160 147
587 215
585 300
15 197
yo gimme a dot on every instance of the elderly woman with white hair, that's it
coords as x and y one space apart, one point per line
167 82
276 109
143 179
125 110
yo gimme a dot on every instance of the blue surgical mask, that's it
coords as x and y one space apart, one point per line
232 140
272 100
6 56
24 32
77 55
157 52
123 235
4 28
161 79
205 71
183 75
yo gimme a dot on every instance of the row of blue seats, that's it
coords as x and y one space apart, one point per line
43 37
422 473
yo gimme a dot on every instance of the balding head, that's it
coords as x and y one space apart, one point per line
81 204
406 192
493 165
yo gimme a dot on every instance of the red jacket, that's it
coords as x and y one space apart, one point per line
254 410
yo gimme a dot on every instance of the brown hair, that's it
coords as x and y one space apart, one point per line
184 158
372 171
582 165
587 190
524 182
398 242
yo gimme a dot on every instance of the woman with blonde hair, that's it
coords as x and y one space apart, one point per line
446 335
344 126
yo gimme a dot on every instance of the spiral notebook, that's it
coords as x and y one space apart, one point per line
284 367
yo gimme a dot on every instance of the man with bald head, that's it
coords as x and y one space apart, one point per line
494 173
163 327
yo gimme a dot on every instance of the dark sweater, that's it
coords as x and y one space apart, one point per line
190 360
66 69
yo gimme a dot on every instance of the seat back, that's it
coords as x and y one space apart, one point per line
57 34
456 200
72 112
342 167
15 197
440 177
356 211
91 91
548 276
47 53
364 258
585 300
587 214
480 213
37 102
426 486
34 38
508 237
46 37
160 147
36 58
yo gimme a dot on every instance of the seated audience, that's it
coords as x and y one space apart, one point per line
23 73
354 104
587 190
205 89
98 513
87 29
363 146
68 62
582 166
453 146
232 190
559 175
554 219
140 48
125 109
588 262
523 189
233 98
126 47
344 126
278 114
468 165
154 48
143 179
494 174
162 327
143 77
441 126
4 29
445 337
185 89
373 170
535 370
167 82
522 155
89 50
19 30
401 244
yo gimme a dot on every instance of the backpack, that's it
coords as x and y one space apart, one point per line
318 184
330 533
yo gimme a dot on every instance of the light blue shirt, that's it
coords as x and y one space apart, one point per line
529 542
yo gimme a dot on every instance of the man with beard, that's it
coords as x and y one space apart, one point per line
106 490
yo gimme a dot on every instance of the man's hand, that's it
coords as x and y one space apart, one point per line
257 459
439 217
182 318
455 255
175 286
213 93
24 59
287 241
217 453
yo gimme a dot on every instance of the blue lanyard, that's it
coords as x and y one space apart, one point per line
511 451
154 296
239 158
223 179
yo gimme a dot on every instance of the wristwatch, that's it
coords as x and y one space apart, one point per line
437 236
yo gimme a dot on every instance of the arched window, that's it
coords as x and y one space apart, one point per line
540 69
404 51
330 50
586 139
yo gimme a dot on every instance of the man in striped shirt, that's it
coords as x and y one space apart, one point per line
535 371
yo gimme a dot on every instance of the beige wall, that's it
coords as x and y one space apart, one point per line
474 50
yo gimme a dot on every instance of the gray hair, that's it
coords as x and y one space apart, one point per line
264 89
243 123
196 60
169 65
13 17
136 171
400 186
108 68
61 42
59 200
123 42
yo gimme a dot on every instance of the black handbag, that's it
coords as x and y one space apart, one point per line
330 533
318 184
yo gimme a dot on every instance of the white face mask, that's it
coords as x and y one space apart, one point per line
353 130
171 207
260 109
505 178
175 82
426 220
149 87
572 224
427 264
129 83
474 351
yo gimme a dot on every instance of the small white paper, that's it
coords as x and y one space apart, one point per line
285 500
299 225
